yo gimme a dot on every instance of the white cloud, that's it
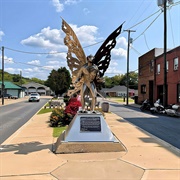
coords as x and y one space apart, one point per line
48 67
53 62
48 39
53 39
34 62
13 70
86 34
34 70
58 5
8 60
86 11
1 35
113 70
119 53
70 2
121 42
56 64
10 70
40 73
56 55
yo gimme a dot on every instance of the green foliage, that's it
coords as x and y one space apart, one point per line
58 118
57 131
120 100
45 110
133 80
18 80
113 81
59 81
122 80
36 80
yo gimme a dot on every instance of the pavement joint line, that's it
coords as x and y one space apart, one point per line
131 163
25 175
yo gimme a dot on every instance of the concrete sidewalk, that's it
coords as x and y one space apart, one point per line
27 154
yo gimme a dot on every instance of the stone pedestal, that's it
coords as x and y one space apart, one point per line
88 132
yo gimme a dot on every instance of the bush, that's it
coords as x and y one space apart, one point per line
56 117
60 117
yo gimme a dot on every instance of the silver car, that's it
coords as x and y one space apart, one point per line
34 97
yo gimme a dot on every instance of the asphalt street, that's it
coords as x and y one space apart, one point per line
13 116
164 127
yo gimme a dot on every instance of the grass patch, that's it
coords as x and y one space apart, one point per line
116 99
47 110
58 130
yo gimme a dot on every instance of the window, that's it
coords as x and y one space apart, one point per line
158 69
140 66
143 89
175 64
167 66
151 65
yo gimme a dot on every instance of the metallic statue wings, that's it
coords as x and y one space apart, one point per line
74 48
76 58
102 57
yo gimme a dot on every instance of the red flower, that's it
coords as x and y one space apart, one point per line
73 106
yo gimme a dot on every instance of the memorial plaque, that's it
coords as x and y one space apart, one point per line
90 124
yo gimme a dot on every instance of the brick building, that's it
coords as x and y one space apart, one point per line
151 76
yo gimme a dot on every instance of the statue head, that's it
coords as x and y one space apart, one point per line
90 58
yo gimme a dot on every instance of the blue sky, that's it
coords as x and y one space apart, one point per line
30 29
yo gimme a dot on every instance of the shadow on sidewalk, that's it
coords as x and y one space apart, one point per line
25 148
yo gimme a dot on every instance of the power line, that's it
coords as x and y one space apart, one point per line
171 28
144 19
148 27
27 52
44 67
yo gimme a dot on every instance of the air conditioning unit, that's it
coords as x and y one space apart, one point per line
161 2
170 1
176 67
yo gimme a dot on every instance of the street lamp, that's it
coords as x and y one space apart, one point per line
163 3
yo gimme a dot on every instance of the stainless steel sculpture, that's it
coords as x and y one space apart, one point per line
88 71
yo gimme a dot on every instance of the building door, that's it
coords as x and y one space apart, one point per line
160 93
151 92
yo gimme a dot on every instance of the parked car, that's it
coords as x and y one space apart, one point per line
6 96
34 97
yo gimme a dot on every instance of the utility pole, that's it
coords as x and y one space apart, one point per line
127 74
165 65
2 85
163 4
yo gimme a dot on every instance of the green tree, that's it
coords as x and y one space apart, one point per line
121 79
16 77
108 82
133 80
36 80
59 81
113 81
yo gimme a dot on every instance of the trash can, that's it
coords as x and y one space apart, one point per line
136 99
105 107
